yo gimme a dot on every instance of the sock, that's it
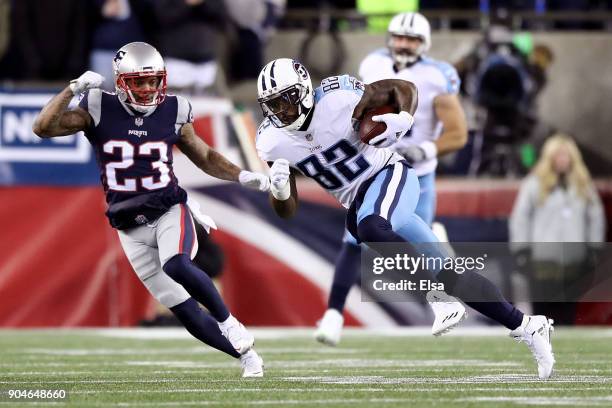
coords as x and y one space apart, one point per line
346 274
197 284
481 295
202 326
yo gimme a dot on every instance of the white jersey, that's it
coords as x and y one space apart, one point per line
329 150
432 78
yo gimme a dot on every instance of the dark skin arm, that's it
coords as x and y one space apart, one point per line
286 209
55 120
206 158
397 92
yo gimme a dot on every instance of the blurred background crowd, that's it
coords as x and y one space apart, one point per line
534 84
217 47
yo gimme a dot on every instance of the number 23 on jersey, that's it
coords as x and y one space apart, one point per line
127 151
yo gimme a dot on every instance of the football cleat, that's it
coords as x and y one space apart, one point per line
535 332
330 328
252 364
237 334
448 311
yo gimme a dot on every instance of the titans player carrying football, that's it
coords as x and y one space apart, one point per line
313 131
439 128
132 132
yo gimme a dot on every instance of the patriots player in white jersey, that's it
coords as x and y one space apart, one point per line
439 128
132 133
313 131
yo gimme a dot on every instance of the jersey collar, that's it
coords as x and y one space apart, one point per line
132 112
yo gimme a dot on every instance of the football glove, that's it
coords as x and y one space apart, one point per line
279 177
412 153
88 80
256 181
397 126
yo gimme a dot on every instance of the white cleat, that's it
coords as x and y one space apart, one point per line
448 311
252 364
535 332
330 328
237 334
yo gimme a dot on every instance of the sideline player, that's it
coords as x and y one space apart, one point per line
132 132
439 128
313 131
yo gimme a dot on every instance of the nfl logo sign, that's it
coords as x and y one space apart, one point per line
139 121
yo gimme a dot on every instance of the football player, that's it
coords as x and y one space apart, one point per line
132 133
439 128
313 131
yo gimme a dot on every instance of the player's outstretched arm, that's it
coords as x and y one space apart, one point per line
215 164
55 120
283 191
402 94
454 134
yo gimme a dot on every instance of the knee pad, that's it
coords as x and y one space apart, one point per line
373 228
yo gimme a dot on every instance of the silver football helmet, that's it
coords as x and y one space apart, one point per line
134 66
285 94
408 25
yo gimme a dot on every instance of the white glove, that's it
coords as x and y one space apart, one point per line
279 176
417 153
257 181
397 126
412 153
86 81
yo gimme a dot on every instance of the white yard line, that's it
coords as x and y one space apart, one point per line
487 379
278 333
567 401
332 390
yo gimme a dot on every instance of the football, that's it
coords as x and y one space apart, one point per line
369 129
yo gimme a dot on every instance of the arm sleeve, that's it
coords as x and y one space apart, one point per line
263 146
91 102
84 102
184 111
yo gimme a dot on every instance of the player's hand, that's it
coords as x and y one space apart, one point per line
88 80
279 176
412 153
256 181
397 126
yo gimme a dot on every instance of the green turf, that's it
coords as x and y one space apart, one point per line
367 370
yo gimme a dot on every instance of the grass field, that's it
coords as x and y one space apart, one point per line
166 368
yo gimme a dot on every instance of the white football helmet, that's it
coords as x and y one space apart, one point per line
139 60
409 25
285 94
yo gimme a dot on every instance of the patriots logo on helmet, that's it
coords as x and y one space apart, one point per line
119 56
300 70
